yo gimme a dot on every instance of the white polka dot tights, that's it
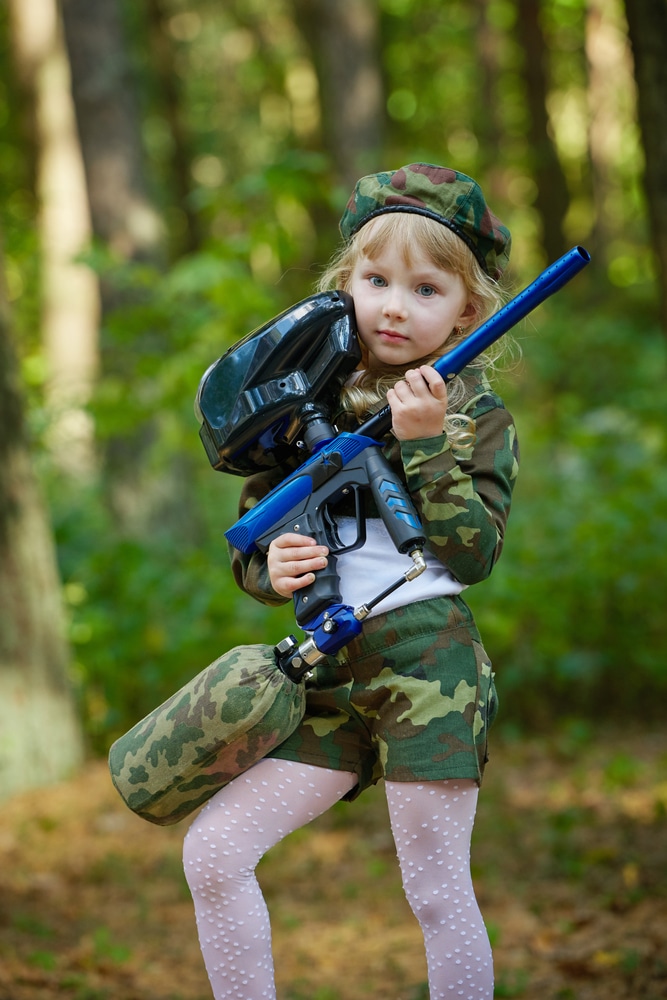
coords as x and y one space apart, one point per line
432 825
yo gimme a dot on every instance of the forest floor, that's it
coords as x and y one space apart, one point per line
570 863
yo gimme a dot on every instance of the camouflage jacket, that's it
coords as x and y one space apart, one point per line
463 498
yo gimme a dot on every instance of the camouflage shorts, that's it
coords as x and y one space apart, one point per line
411 699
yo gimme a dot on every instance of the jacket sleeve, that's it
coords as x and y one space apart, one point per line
250 571
464 498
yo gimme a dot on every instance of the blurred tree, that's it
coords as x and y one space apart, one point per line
551 198
122 212
69 299
488 126
171 99
40 733
611 104
647 24
129 231
344 40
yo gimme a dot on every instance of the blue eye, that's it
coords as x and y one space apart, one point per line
426 290
378 281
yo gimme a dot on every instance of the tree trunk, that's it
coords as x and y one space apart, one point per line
488 126
647 25
610 89
40 734
552 200
123 218
110 132
70 300
171 98
344 39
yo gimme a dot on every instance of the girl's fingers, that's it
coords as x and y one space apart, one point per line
291 540
422 382
434 382
295 548
418 404
298 566
292 562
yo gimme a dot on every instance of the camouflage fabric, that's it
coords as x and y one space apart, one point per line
219 724
463 499
449 197
411 699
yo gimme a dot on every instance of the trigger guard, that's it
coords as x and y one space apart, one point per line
333 539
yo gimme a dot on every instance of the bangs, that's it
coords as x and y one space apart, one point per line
409 233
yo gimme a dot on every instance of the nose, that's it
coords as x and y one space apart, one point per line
395 303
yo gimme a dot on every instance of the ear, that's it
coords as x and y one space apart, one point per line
469 314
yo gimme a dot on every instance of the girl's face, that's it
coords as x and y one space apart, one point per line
406 312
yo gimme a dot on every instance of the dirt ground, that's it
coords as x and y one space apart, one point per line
570 862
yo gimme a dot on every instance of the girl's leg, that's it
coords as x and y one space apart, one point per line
221 851
432 824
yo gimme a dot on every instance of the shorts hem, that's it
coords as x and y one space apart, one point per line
299 757
465 774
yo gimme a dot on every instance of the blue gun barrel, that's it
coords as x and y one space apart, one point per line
450 364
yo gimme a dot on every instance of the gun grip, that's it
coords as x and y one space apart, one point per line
314 599
394 504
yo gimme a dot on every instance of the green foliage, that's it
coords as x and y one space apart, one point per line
148 612
574 614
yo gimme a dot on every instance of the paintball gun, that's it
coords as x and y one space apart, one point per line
270 397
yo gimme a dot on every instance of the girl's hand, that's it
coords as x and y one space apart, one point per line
292 560
418 404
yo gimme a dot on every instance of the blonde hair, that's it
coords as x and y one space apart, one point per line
408 233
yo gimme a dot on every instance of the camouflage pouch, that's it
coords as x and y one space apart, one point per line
223 721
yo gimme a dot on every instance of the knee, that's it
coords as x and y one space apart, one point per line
426 904
209 858
217 851
435 892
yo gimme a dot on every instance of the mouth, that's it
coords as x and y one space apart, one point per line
391 336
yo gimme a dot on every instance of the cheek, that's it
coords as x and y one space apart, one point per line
363 314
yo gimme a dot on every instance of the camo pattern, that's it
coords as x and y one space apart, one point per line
450 197
222 722
411 699
463 498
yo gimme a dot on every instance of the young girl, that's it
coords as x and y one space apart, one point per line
412 698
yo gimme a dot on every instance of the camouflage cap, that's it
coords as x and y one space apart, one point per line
449 197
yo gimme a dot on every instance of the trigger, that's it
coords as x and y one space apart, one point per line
333 539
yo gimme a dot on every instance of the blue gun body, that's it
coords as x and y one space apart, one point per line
352 463
345 466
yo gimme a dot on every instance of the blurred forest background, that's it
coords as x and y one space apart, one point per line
172 173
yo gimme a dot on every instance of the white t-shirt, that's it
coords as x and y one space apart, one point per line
366 572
